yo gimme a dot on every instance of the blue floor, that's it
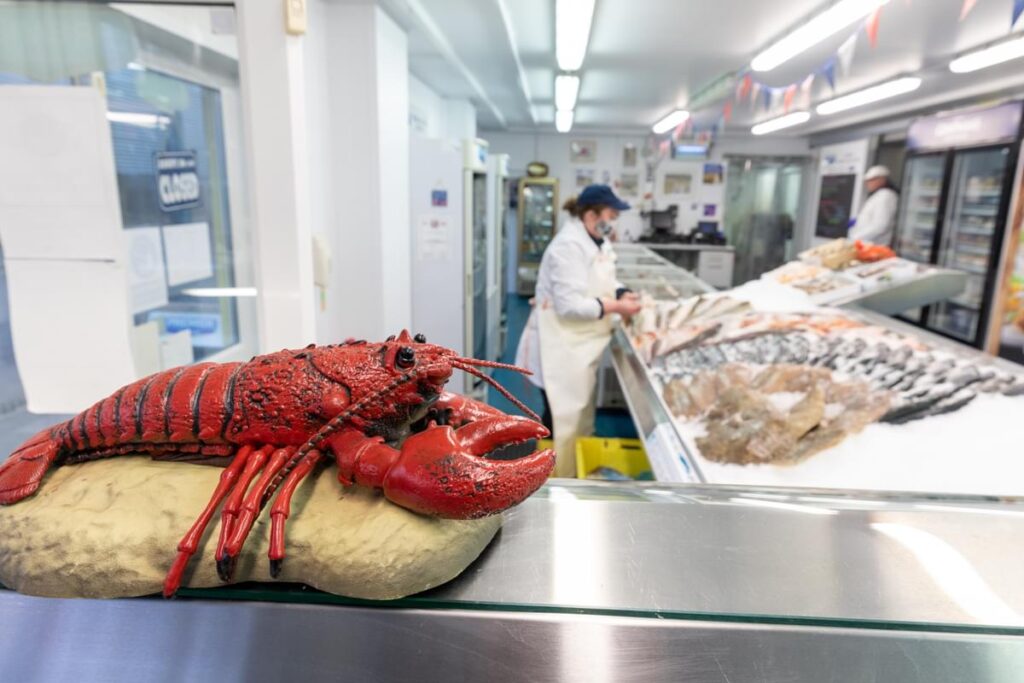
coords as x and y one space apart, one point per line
608 423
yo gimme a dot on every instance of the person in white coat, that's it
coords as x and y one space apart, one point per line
876 222
577 300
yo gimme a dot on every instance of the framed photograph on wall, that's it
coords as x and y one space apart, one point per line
677 183
583 151
629 156
629 185
584 177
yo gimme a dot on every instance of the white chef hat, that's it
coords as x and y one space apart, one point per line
876 172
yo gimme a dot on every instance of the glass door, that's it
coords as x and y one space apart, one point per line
969 237
919 214
762 201
11 395
479 228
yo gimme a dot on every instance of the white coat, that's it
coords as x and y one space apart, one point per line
876 222
563 280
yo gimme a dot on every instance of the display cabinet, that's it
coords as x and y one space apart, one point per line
537 223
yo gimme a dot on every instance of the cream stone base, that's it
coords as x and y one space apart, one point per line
110 528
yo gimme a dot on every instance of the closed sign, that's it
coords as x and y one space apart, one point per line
177 181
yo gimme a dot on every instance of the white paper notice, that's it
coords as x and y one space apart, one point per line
147 284
433 239
188 252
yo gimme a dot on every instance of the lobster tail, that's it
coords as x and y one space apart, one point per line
21 474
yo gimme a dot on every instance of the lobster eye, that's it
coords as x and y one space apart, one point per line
405 358
420 338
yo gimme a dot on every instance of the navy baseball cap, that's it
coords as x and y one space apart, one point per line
594 195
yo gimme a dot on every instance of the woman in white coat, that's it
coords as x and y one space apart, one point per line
577 299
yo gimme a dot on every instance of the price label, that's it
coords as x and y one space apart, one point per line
668 456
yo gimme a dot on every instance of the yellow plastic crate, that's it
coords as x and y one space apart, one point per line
626 456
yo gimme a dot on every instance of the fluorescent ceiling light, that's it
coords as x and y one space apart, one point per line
671 121
563 120
794 119
900 86
828 23
989 56
572 32
567 88
139 119
220 291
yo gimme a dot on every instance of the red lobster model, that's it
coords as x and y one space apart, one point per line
378 409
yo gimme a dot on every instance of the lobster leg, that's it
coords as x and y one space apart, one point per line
233 504
282 505
250 509
190 542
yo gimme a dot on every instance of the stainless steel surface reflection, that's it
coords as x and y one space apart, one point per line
112 641
793 554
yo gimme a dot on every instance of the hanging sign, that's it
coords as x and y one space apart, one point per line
966 128
177 180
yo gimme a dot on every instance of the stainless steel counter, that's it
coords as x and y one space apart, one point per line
592 581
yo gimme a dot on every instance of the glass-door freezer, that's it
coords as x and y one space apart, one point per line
919 219
971 238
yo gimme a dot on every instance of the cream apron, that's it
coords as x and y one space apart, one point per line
570 352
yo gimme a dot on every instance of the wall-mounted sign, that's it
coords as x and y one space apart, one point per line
966 128
177 180
439 198
835 205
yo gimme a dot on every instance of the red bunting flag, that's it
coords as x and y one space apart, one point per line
787 98
872 27
727 112
745 85
677 134
966 9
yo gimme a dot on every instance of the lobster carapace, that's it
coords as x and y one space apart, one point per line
378 408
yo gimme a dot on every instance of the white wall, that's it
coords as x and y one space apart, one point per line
553 149
359 167
427 113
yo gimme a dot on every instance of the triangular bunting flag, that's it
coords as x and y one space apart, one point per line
727 112
871 26
1018 9
677 134
805 91
787 98
829 72
845 54
966 9
755 93
745 85
768 97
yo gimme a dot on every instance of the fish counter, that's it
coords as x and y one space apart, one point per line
600 581
744 388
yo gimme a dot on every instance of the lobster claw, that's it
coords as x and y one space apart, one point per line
442 472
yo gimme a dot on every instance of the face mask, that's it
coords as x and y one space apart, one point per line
604 228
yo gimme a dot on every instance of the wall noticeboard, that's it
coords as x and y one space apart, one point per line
835 205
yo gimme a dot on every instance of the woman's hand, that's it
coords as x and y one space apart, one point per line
627 306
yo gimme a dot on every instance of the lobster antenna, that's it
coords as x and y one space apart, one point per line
494 364
504 392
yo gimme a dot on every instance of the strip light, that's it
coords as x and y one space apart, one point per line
670 121
139 119
563 120
819 28
787 121
900 86
989 56
217 292
567 88
572 32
